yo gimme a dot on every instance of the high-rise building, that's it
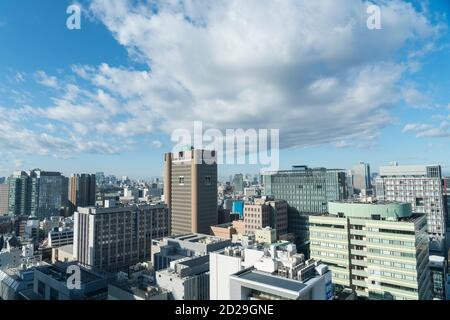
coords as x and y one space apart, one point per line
4 191
421 186
361 178
379 250
19 202
190 190
115 238
238 183
99 178
81 191
37 193
307 191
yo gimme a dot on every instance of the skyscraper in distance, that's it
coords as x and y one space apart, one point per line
190 190
361 178
81 191
37 193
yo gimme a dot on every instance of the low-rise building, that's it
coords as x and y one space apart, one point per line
174 248
186 279
51 283
60 237
63 254
137 284
270 273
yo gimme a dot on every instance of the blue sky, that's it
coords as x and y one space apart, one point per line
107 97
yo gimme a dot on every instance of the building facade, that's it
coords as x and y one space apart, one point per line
81 191
264 212
361 178
190 190
274 273
379 250
173 248
4 191
37 193
306 191
186 278
422 186
115 238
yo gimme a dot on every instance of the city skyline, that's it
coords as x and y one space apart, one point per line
107 97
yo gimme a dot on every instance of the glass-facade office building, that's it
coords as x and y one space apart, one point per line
37 193
307 192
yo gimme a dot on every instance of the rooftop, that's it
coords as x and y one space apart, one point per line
256 279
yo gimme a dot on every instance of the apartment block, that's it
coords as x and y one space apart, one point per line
115 238
422 187
265 212
379 249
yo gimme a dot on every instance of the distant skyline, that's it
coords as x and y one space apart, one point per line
107 97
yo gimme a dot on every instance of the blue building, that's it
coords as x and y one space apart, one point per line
238 207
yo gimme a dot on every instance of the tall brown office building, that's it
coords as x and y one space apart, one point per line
81 191
190 190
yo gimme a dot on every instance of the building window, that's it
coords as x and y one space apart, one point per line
208 180
181 180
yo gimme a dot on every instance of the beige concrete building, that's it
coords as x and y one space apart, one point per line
266 235
190 190
225 230
63 254
263 212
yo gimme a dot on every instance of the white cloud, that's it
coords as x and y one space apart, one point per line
429 131
46 80
157 144
310 68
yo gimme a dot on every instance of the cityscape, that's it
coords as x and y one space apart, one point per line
200 150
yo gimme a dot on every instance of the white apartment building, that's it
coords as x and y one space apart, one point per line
421 186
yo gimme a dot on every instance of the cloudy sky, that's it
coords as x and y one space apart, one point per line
108 97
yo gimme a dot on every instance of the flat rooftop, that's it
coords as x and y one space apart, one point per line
58 272
274 282
197 238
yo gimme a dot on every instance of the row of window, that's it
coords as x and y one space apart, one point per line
328 254
393 264
392 275
328 235
328 244
392 253
392 242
